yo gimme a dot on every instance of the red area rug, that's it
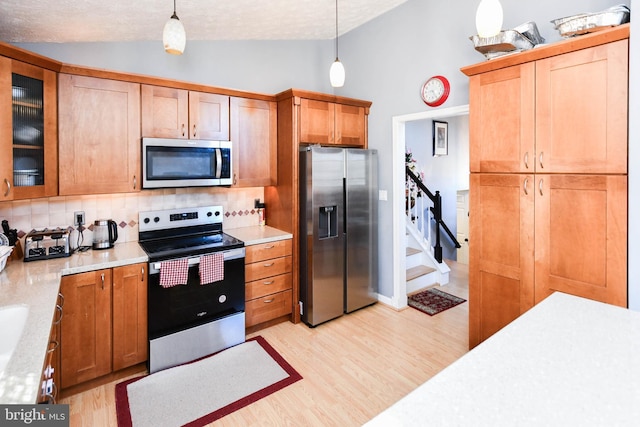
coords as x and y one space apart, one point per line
203 391
433 301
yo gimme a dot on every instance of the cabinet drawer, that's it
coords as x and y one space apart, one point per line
267 308
267 268
269 250
266 286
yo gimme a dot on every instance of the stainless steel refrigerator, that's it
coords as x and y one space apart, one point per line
338 231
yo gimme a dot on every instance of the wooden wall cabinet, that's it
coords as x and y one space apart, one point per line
254 133
268 289
329 123
104 327
548 185
566 114
177 113
28 131
99 138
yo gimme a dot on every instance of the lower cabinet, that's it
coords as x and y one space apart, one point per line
268 291
104 325
533 234
129 306
51 371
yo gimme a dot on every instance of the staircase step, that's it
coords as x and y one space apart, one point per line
420 270
412 251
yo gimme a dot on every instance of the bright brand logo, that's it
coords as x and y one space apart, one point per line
36 415
27 417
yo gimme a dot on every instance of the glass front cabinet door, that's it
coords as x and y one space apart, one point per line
28 131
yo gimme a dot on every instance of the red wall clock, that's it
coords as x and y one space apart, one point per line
435 91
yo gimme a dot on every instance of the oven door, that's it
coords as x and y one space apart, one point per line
181 307
185 163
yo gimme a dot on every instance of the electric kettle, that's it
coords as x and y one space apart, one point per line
105 233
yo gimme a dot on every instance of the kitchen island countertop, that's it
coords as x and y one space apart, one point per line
567 361
36 285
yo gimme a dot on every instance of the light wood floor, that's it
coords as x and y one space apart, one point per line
353 367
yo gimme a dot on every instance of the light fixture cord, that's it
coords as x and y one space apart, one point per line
336 30
174 16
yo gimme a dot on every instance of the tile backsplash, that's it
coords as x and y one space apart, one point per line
52 212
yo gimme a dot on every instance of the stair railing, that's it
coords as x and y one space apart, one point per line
415 208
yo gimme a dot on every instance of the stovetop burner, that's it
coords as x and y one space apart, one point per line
184 232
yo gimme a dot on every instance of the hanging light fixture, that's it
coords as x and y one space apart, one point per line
173 35
489 18
336 72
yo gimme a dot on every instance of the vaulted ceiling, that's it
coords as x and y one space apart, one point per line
66 21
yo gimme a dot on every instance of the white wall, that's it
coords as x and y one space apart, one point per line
256 66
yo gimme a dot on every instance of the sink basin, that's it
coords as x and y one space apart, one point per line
12 321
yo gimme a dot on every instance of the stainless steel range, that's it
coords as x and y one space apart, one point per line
196 285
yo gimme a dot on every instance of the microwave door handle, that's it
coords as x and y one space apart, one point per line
218 163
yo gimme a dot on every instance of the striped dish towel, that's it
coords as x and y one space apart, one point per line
211 268
174 272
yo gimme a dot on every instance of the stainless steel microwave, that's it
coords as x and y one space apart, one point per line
185 163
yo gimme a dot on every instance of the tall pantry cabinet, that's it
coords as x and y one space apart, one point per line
548 184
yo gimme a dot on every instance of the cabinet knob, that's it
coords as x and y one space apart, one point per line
541 164
183 129
526 160
524 186
194 131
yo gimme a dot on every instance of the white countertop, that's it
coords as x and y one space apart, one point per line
256 235
568 361
36 284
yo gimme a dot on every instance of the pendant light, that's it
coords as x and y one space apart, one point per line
336 72
489 18
173 35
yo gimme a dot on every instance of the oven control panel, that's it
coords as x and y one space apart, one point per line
181 217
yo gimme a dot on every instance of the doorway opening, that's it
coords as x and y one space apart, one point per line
399 298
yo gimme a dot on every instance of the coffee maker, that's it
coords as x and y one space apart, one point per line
105 233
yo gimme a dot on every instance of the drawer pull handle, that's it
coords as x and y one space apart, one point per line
268 283
271 264
267 301
270 247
